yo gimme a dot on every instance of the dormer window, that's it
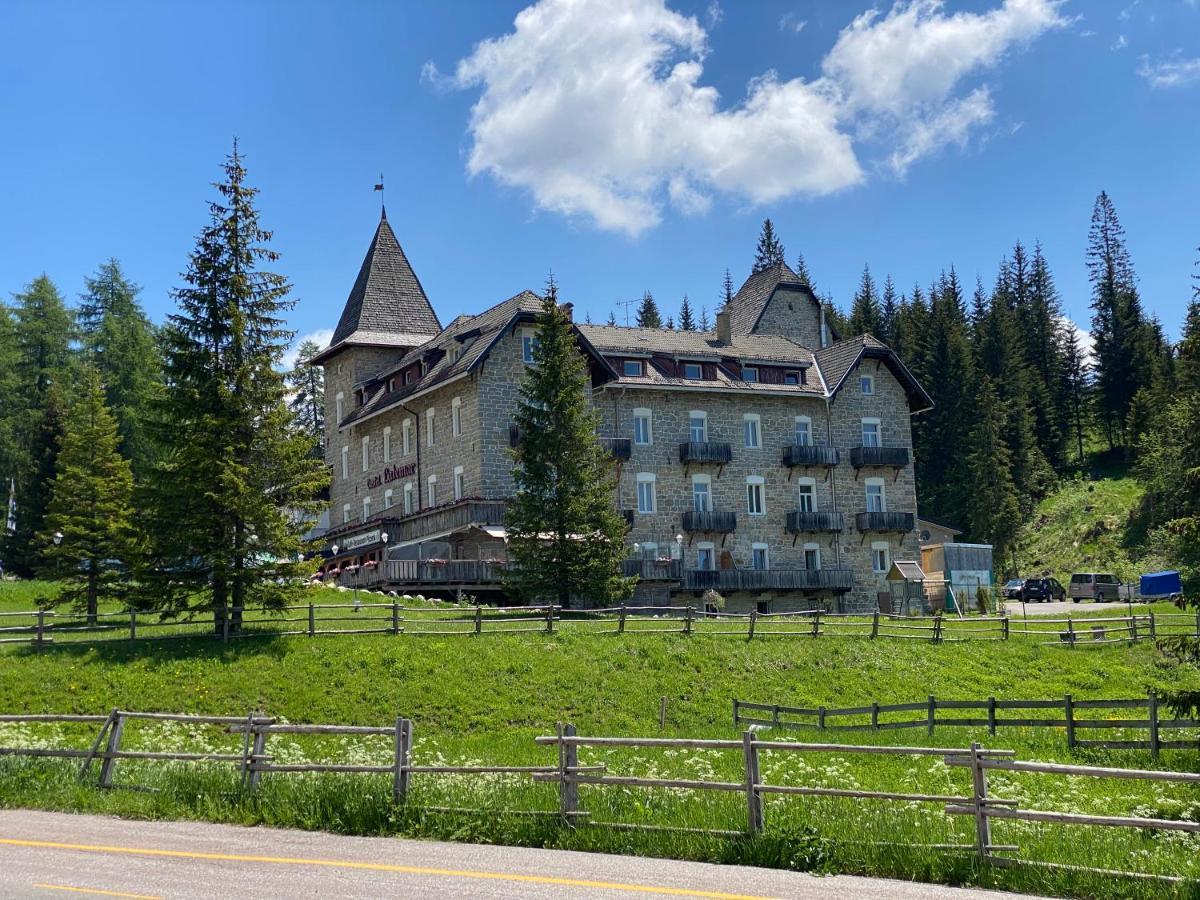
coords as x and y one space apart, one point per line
749 373
693 371
633 368
391 385
409 376
793 376
867 384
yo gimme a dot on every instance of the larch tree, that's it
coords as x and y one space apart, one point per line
236 487
566 537
88 541
769 252
648 315
307 385
687 321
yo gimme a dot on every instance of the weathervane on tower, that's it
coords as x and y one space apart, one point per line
379 187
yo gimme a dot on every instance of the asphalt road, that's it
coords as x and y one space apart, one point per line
59 855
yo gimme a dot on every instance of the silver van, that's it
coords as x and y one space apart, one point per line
1094 586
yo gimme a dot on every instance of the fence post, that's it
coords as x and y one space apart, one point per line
991 715
568 761
256 752
937 628
403 761
753 617
1069 712
687 621
875 624
816 631
1153 632
114 745
621 620
662 713
87 761
245 764
478 619
754 804
820 717
1198 623
1133 631
1004 627
775 716
550 619
225 626
132 625
312 619
1071 632
1153 725
983 837
875 714
395 617
41 628
736 712
930 718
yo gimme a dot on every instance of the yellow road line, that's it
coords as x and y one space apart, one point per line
383 867
95 891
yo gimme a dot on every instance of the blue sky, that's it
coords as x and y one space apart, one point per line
625 153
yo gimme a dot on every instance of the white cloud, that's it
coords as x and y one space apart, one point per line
1120 43
599 110
1086 343
321 337
1173 72
789 21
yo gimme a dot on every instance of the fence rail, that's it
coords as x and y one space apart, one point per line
568 773
47 628
934 715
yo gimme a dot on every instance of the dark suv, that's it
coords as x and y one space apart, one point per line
1042 590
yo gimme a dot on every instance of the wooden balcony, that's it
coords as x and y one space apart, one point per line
901 522
837 579
446 571
800 522
448 517
810 455
705 452
618 448
894 457
653 569
711 521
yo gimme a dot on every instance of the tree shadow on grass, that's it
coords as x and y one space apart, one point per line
167 648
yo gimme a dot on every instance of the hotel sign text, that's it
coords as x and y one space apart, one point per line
390 474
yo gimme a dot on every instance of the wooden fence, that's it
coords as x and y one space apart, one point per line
44 627
566 771
933 713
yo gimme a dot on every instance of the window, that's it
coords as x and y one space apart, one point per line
791 376
866 384
408 499
406 436
633 368
876 499
345 513
409 376
458 482
808 495
366 452
429 414
529 344
754 496
758 557
389 498
456 416
647 499
749 373
803 431
391 385
366 508
642 431
870 433
697 427
812 556
345 462
387 444
337 404
881 559
706 557
751 426
694 371
431 491
702 493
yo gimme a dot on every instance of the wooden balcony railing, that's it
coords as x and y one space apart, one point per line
896 457
653 569
839 579
446 571
810 455
884 521
801 522
705 452
711 521
619 448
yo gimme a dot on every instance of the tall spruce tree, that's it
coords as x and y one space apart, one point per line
703 322
35 483
803 275
1075 379
88 541
992 506
307 385
566 538
648 315
236 487
889 308
687 321
120 341
866 317
12 411
769 252
726 292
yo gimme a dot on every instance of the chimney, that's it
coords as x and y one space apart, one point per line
568 310
724 335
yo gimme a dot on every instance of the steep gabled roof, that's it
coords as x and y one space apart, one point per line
838 360
749 303
387 305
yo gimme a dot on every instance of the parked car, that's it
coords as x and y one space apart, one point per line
1012 588
1042 590
1094 586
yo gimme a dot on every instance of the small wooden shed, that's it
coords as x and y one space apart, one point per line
907 582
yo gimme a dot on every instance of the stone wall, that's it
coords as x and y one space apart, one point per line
792 314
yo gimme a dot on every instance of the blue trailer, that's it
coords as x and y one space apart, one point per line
1160 586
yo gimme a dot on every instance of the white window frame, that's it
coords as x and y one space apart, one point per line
366 507
812 547
406 429
766 557
651 493
752 482
885 548
746 376
345 461
638 364
389 498
752 429
431 491
705 480
345 513
408 498
387 444
459 483
366 452
811 493
709 548
456 416
699 367
703 417
529 343
882 485
643 415
878 431
866 385
430 423
793 377
803 427
338 402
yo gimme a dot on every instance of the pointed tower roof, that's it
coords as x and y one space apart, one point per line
387 305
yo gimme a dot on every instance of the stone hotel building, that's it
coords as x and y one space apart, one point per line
770 459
